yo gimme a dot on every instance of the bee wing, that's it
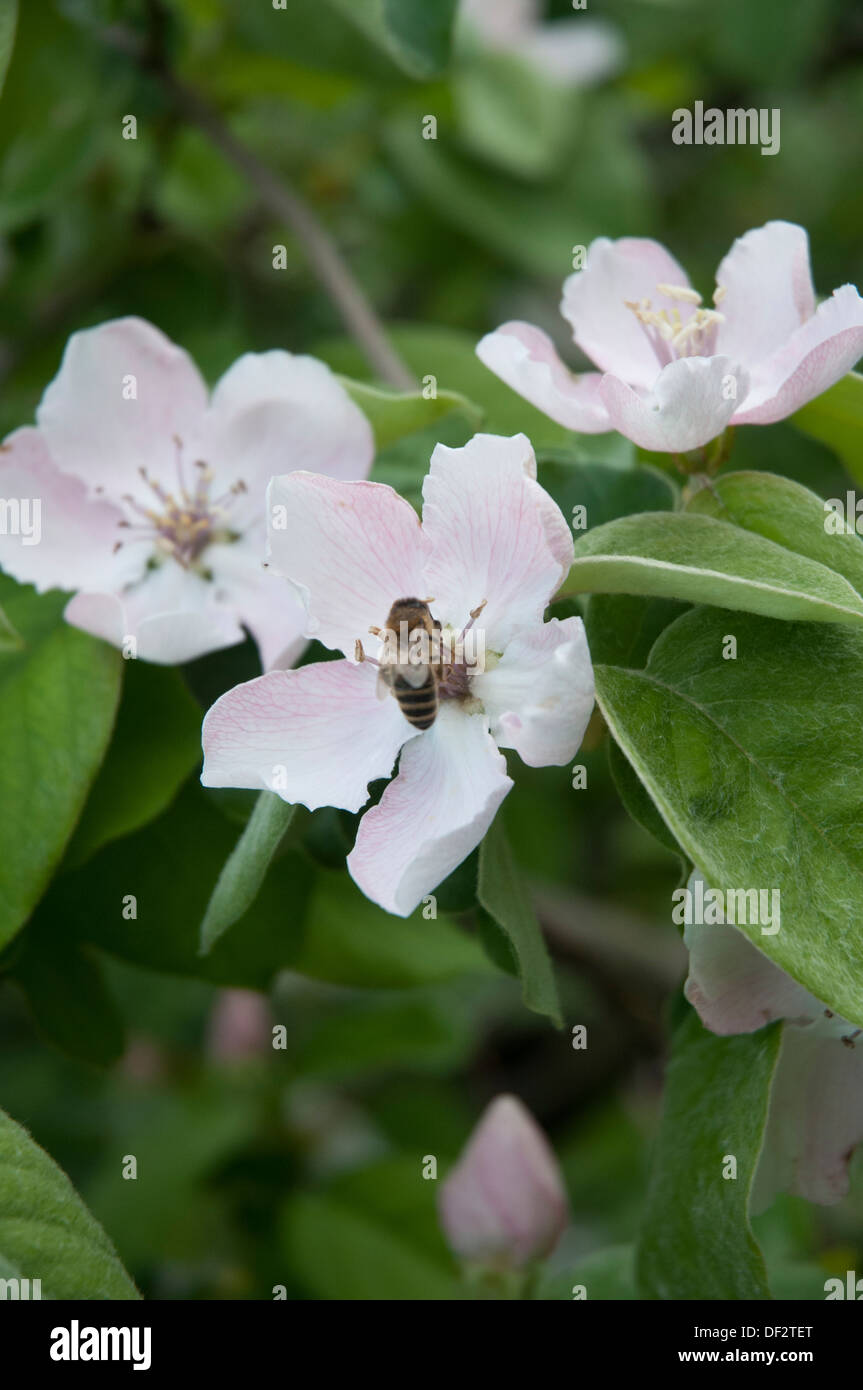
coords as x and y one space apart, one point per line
414 676
384 681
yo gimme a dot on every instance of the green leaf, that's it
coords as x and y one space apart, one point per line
752 767
415 34
66 991
46 1232
348 940
156 744
836 419
241 878
338 1253
784 512
393 414
58 697
450 356
502 893
700 560
8 23
696 1241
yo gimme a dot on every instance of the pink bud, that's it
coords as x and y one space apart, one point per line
504 1202
239 1025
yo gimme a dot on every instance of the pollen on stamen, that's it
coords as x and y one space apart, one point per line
681 292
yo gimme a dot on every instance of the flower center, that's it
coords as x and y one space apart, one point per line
184 523
672 333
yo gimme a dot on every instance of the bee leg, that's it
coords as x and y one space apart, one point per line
852 1037
360 656
474 614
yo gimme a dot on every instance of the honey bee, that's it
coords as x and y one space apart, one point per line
414 684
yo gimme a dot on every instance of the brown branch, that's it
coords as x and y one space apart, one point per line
285 204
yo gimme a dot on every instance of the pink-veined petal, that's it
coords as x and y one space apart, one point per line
317 735
691 402
594 303
123 393
815 1120
527 360
171 613
351 549
539 697
768 291
450 782
735 987
273 413
494 534
813 359
55 534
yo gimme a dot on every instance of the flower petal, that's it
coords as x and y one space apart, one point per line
265 602
95 432
686 408
171 613
351 549
814 358
317 735
273 412
494 534
735 987
815 1120
539 697
504 1201
594 302
527 360
768 291
450 783
575 51
64 539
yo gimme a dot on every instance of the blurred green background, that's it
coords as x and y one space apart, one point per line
301 1167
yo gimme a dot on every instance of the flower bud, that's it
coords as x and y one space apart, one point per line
504 1203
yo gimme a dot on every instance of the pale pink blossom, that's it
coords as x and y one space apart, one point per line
575 51
816 1104
152 490
673 373
504 1203
319 735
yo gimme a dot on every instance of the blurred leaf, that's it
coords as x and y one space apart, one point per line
605 1274
242 875
46 1232
836 419
156 744
605 491
66 992
8 21
700 560
750 764
340 1254
168 868
405 1033
786 513
415 34
512 113
58 697
696 1242
10 640
393 414
501 892
348 940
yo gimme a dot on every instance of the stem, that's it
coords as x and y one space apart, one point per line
287 205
